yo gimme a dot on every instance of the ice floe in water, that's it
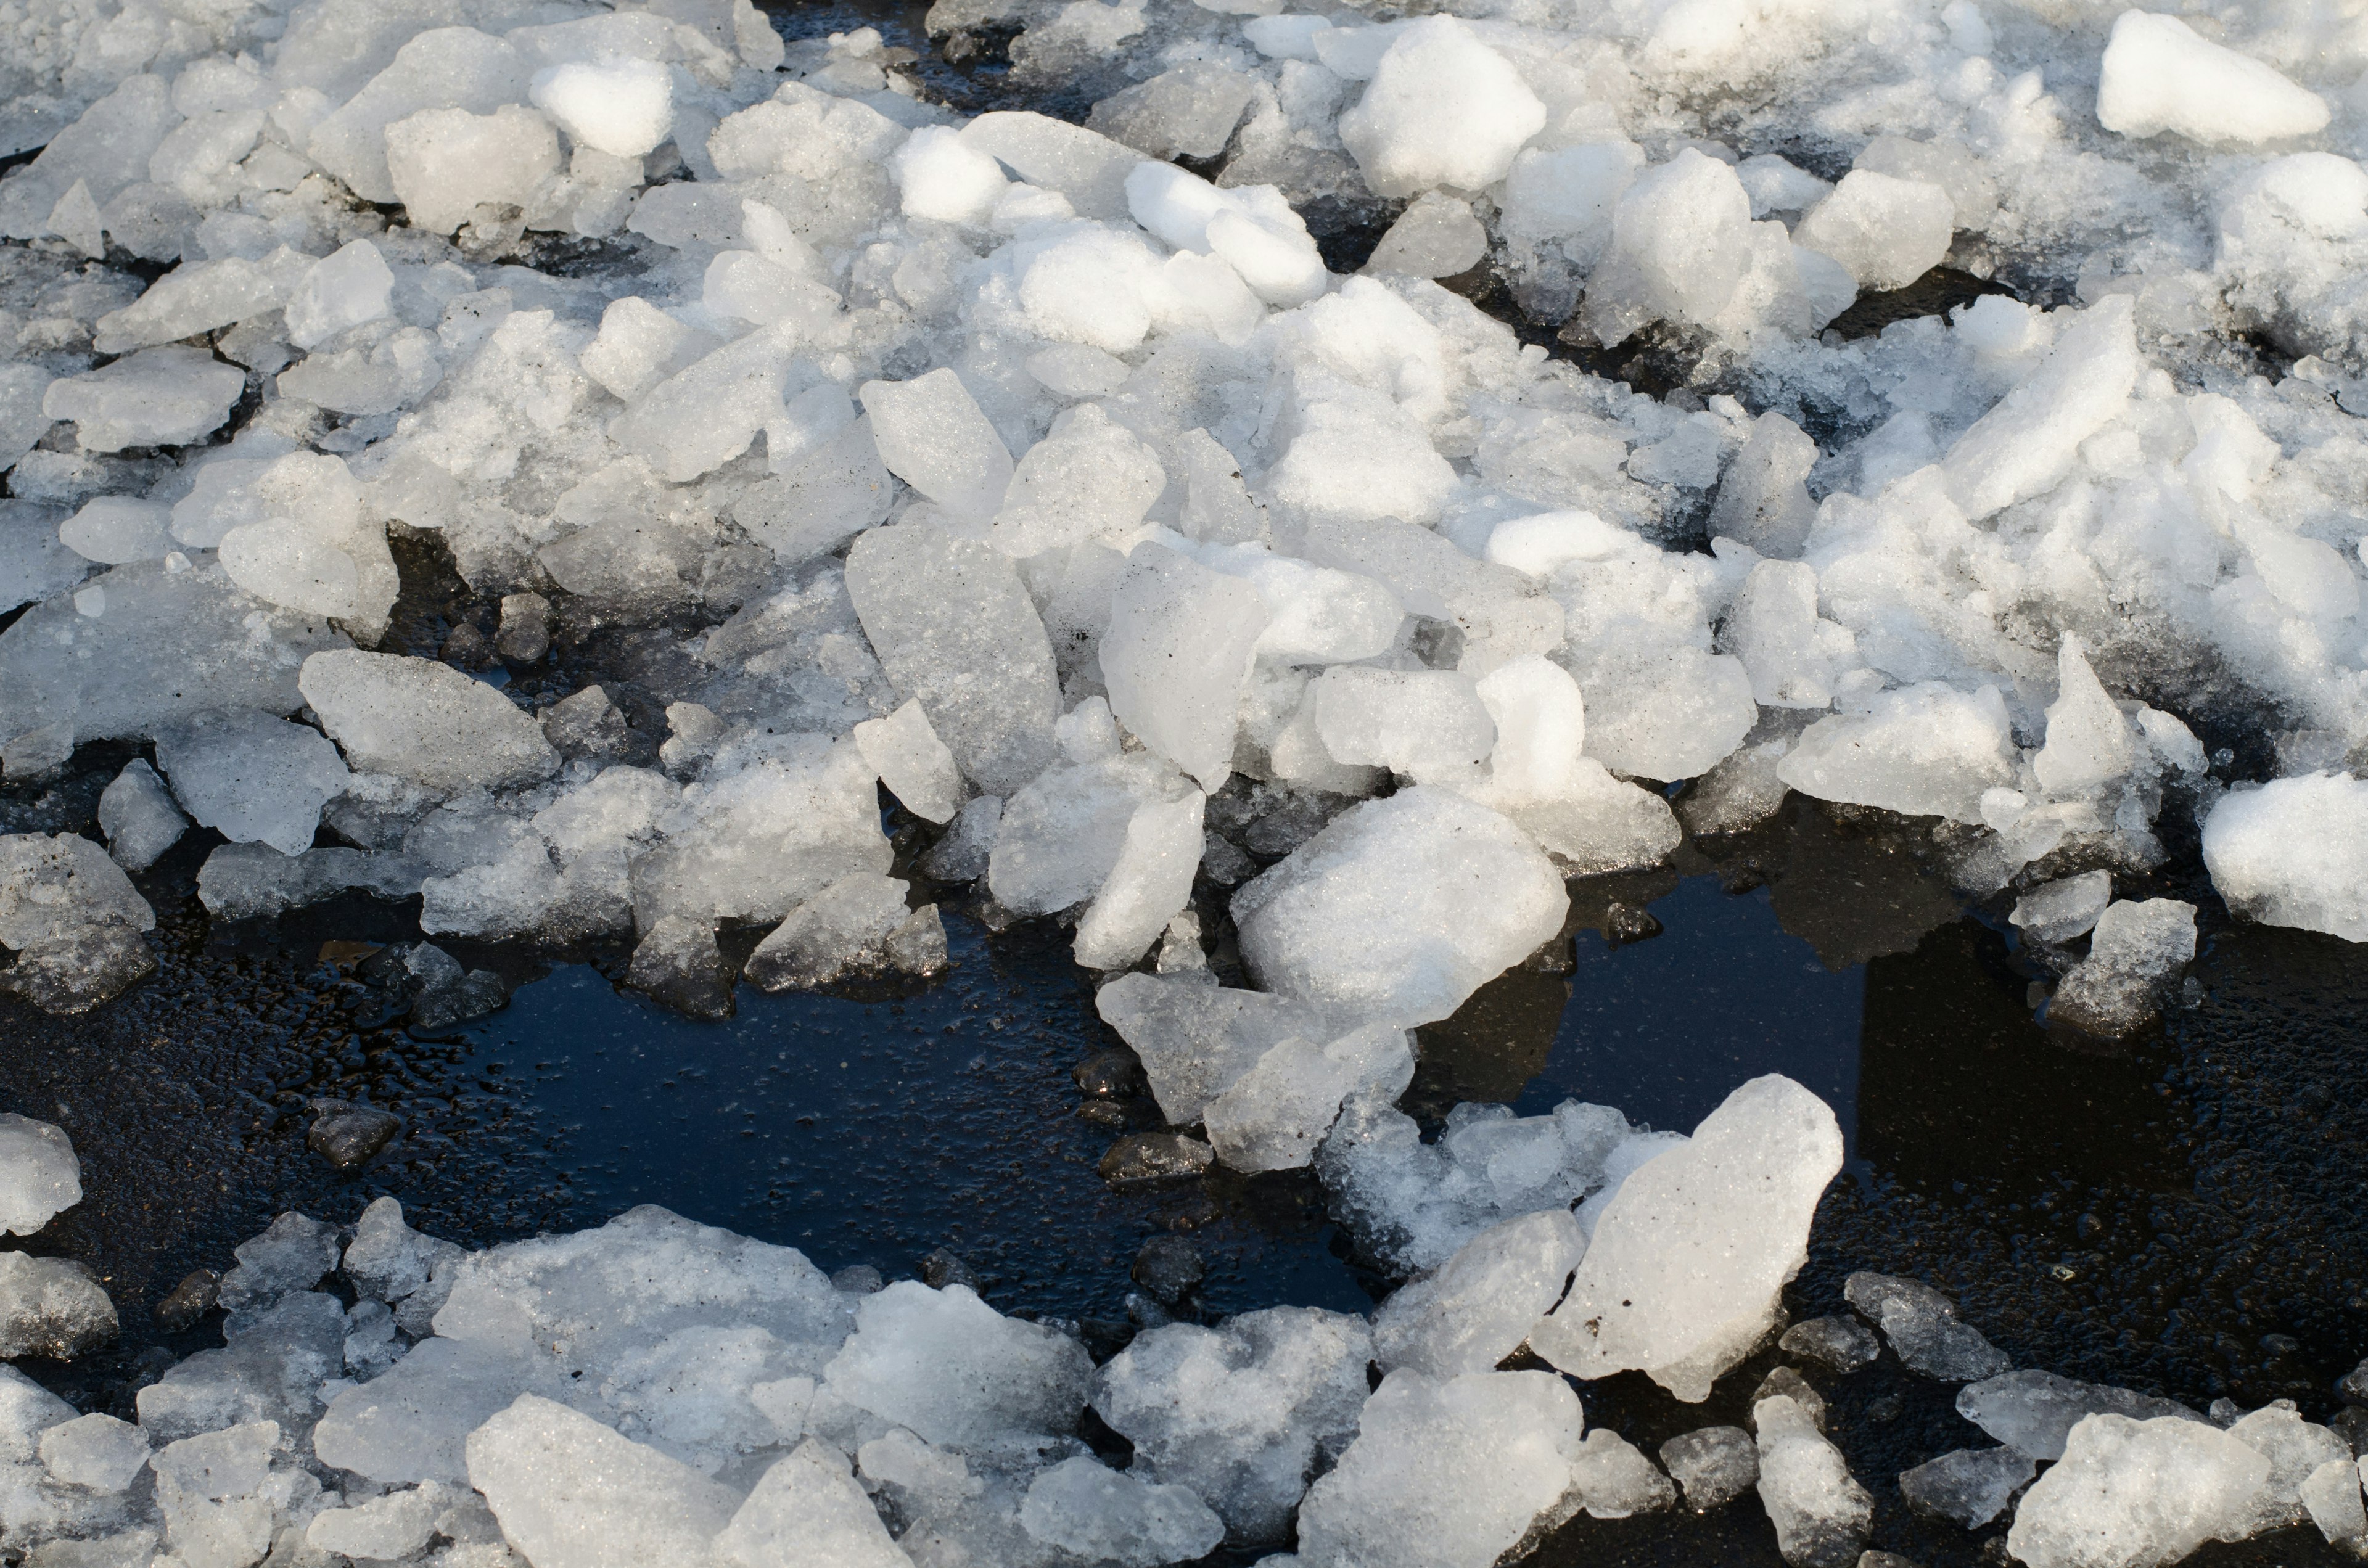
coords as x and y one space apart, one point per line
793 437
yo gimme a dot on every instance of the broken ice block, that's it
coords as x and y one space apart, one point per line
424 720
2294 852
1400 908
2129 1493
1821 1513
255 778
1922 1326
1176 656
2135 956
1442 109
1683 1275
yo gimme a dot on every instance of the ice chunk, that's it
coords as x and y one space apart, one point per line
1479 1308
1436 236
1177 655
388 1527
622 108
208 1489
2088 741
1967 1486
956 630
1841 1342
1681 246
1089 478
1443 109
1252 228
73 919
1241 1414
1821 1513
1714 1465
96 1452
2331 1497
860 923
1924 750
570 1492
2034 1412
808 1512
640 346
1668 711
343 290
39 1177
1793 657
2294 852
116 529
440 68
1084 1507
1358 456
2137 1494
157 397
2135 956
955 1370
1429 725
944 176
1762 499
1922 1326
1149 883
1400 908
1084 165
2025 444
1272 1117
1886 231
1611 1481
2059 910
255 778
443 164
1190 110
1195 1040
2158 75
52 1306
1061 837
420 719
290 1256
1445 1473
1684 1272
1317 615
932 435
913 763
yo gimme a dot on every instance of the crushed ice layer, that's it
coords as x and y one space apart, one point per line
1933 411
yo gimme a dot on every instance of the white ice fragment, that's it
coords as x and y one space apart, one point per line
1567 195
1445 1473
2330 1494
942 175
932 435
424 720
2025 444
1545 542
1886 232
40 1177
2135 956
2138 1494
1252 228
2034 1412
2158 74
913 763
1681 246
1150 881
1429 725
1082 1505
1195 1040
1084 165
255 778
1822 1514
1435 237
1400 908
1714 1465
1241 1414
157 397
957 1371
2294 852
1177 654
1611 1481
446 163
1443 109
116 529
1794 656
101 1453
1090 478
640 346
2059 910
1479 1308
2088 740
1776 184
347 288
393 1524
1272 1117
571 1492
703 416
622 108
956 630
1687 1263
808 1512
1925 750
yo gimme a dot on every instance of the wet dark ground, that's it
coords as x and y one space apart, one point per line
2185 1213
